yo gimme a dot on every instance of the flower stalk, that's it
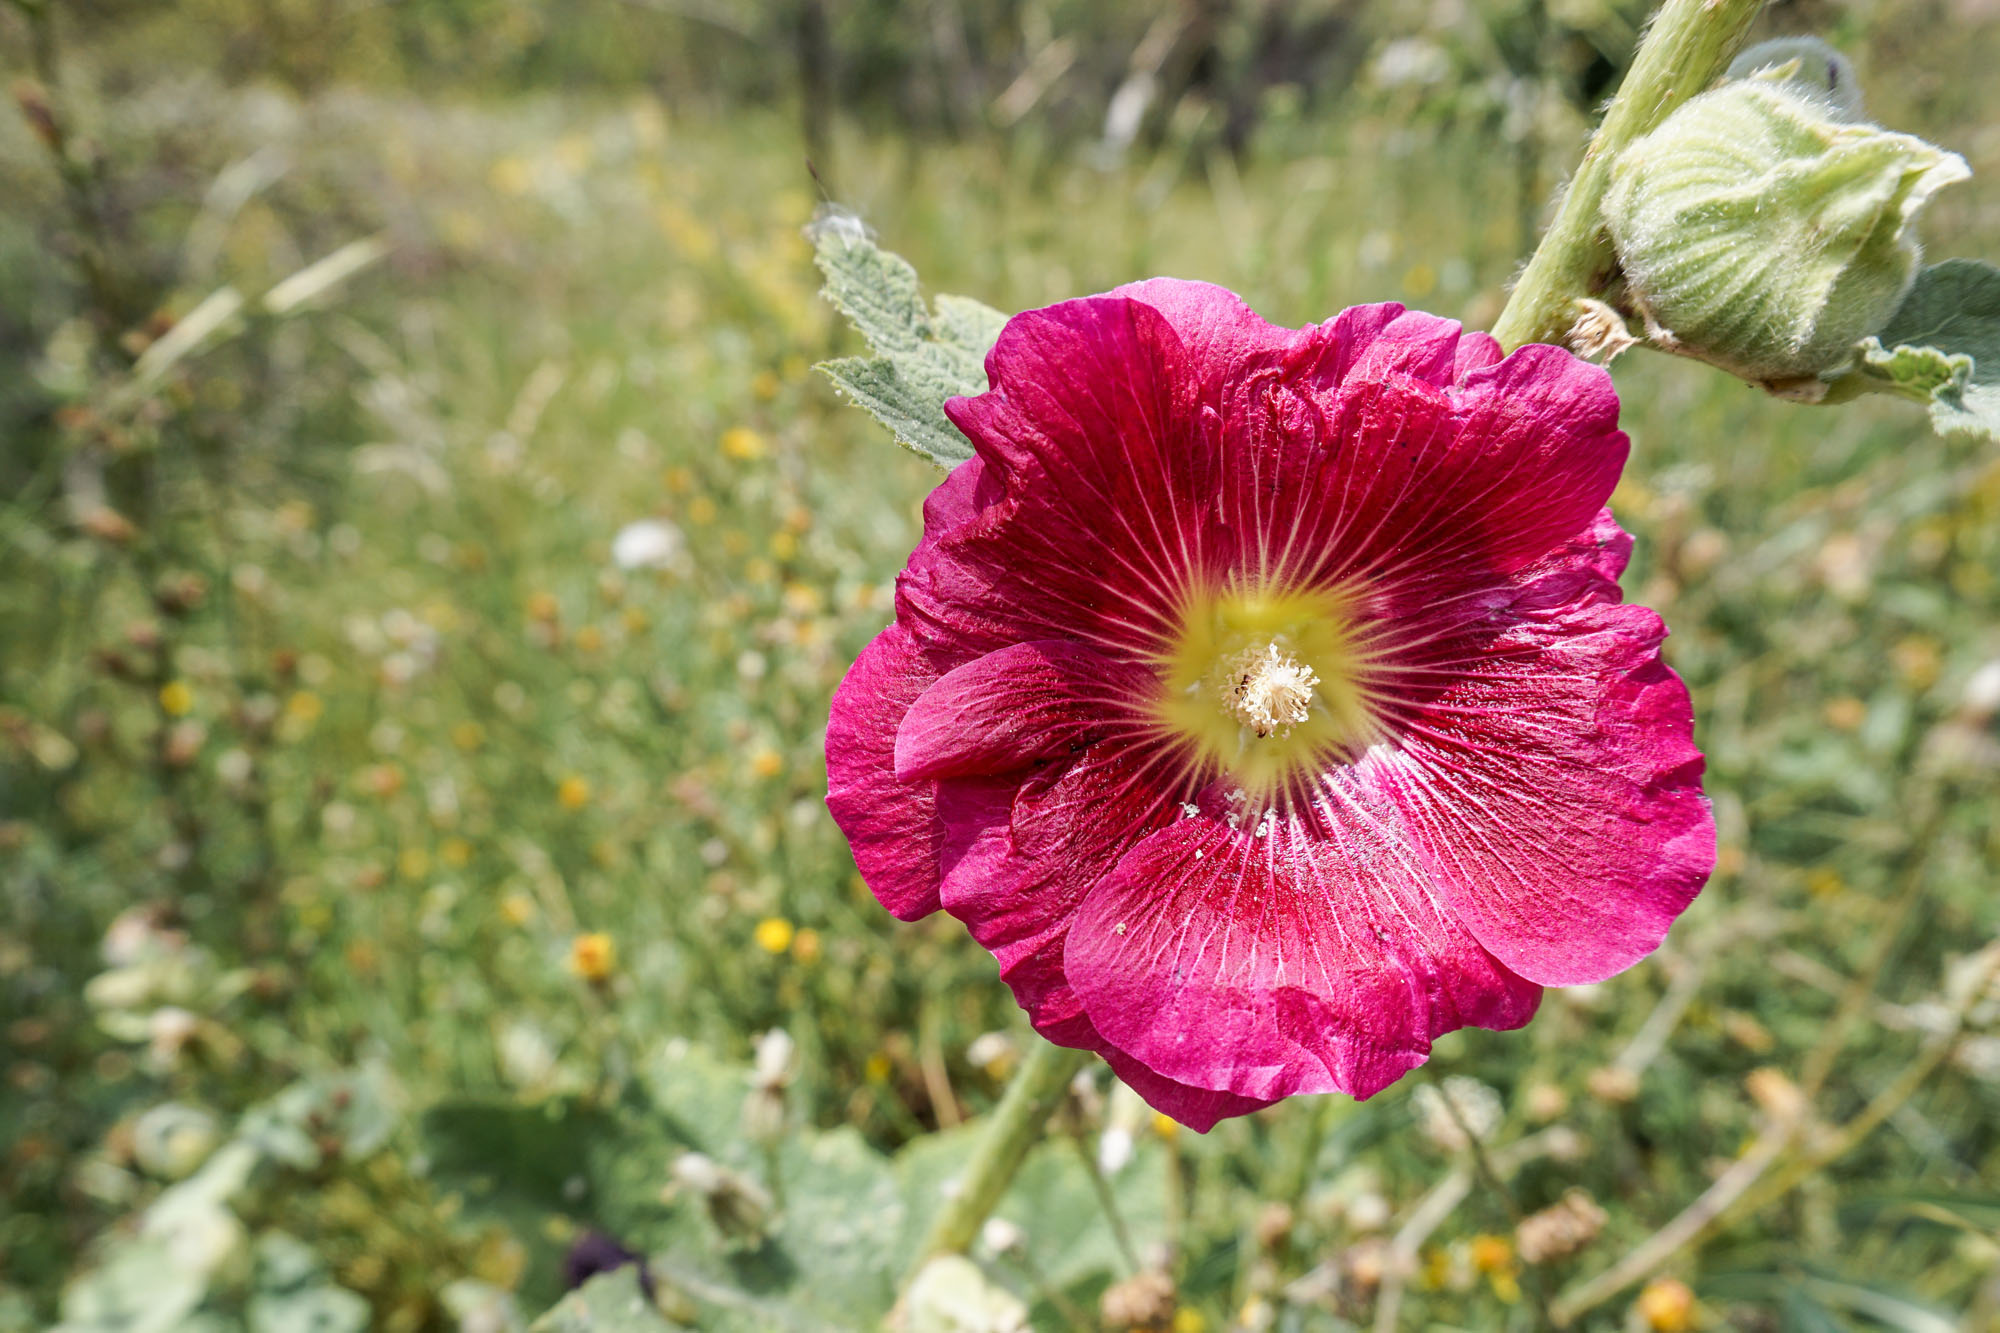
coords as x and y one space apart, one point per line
1688 44
1014 1127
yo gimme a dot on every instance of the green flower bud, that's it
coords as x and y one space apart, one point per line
1762 231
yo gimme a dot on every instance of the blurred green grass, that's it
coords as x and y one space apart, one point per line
467 739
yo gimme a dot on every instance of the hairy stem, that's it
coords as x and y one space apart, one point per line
1013 1128
1688 44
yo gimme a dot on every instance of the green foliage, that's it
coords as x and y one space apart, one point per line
1943 346
846 1216
922 357
184 1265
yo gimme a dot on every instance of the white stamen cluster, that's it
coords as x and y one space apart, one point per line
1268 690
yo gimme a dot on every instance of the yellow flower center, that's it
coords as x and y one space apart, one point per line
1264 686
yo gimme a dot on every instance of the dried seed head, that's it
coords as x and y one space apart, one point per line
1143 1302
1599 333
1559 1231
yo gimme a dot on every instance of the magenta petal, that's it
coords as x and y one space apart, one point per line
891 825
1298 957
1021 856
1011 708
1197 1108
1217 330
1555 792
965 491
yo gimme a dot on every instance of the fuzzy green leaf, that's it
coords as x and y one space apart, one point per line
141 1287
921 356
608 1303
1945 340
317 1309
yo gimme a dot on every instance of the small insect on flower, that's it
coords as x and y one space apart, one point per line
1264 699
594 957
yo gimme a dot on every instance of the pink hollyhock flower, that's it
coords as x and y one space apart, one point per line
1263 699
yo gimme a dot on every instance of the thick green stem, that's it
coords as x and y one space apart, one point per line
1013 1128
1688 44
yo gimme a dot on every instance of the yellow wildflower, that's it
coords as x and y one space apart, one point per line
1667 1305
573 793
1166 1126
878 1067
176 699
1492 1254
511 176
589 639
517 909
593 957
743 444
767 763
304 706
774 934
1918 659
543 606
806 945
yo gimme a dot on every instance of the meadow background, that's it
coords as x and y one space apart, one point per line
393 884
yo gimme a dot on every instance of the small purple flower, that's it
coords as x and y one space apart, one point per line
594 1253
